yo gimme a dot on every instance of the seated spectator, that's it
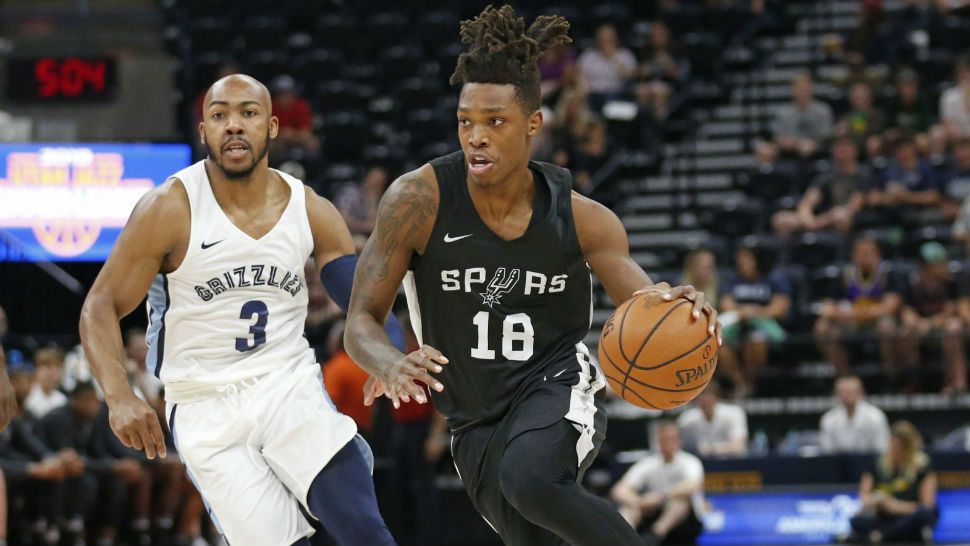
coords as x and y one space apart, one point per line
752 304
358 203
295 121
558 71
700 271
865 303
344 381
606 68
930 311
853 425
49 485
589 154
834 197
660 72
898 493
661 496
908 114
120 478
906 181
802 127
713 427
958 186
857 71
955 102
45 395
862 120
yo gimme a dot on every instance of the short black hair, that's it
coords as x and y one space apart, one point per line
501 51
83 388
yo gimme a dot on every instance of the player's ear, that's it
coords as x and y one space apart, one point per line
535 123
274 127
202 132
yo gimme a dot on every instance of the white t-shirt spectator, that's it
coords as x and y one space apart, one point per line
867 431
604 75
728 423
954 108
653 474
40 404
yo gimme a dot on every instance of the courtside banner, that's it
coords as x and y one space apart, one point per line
749 519
69 202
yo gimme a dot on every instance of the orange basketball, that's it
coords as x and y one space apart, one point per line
655 355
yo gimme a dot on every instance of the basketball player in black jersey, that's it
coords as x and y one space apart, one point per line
493 251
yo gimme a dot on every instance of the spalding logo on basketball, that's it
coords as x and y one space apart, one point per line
656 355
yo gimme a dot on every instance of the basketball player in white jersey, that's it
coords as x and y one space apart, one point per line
220 249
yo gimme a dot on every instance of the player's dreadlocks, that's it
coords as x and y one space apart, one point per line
501 51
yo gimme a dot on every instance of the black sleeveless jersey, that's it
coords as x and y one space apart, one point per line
508 315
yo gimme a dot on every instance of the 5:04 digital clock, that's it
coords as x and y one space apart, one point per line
61 79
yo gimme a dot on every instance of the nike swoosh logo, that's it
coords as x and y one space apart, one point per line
560 372
210 245
450 239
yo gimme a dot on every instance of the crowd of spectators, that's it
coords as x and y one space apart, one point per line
68 480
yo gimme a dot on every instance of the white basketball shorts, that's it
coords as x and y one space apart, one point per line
254 449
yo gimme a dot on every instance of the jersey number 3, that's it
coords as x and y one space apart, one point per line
510 335
257 330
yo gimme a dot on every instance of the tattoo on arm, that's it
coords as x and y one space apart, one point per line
402 214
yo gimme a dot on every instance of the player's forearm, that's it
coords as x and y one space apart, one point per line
101 339
368 345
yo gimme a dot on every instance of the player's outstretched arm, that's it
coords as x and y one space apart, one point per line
158 224
604 243
404 223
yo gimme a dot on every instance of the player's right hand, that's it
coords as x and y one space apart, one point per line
398 381
136 424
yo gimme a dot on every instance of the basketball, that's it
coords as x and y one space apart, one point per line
656 355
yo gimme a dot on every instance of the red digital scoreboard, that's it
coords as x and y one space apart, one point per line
61 79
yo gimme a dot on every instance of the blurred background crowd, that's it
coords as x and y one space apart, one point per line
804 163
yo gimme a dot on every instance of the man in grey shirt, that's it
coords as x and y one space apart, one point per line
853 425
802 126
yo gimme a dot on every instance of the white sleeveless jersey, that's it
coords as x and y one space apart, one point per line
236 306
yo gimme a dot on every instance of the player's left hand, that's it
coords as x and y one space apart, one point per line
665 292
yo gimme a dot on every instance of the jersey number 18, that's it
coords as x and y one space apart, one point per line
510 336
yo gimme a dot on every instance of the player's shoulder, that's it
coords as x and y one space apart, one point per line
590 211
167 201
418 188
596 225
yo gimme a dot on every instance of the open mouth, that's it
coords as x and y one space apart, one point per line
236 150
479 164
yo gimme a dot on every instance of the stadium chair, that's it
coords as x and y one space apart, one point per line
436 28
815 250
337 30
265 32
345 134
341 95
386 29
322 64
398 63
210 34
417 93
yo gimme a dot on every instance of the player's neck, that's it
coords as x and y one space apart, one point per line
241 193
502 198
